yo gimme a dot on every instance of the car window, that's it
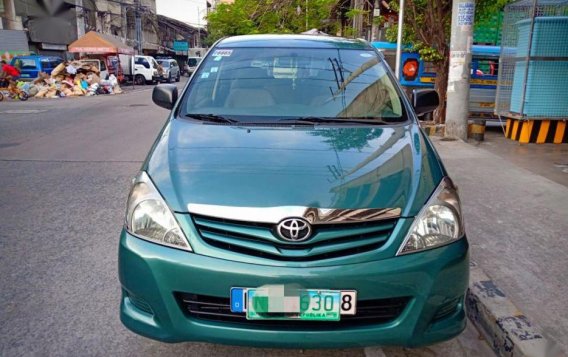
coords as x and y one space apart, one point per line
154 63
103 66
27 63
192 62
54 63
278 83
164 63
142 61
45 63
485 67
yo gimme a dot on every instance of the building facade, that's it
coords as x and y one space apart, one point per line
50 25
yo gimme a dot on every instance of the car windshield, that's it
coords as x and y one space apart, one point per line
27 63
192 62
271 84
164 63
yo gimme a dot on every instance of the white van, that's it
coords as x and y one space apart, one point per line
141 69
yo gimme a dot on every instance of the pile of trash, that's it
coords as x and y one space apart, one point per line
68 79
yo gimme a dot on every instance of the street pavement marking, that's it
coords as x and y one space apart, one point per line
23 111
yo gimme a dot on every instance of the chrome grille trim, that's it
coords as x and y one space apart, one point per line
274 215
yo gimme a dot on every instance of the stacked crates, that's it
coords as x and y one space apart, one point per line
545 93
533 71
488 31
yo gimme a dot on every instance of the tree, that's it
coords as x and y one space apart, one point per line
426 25
269 16
427 28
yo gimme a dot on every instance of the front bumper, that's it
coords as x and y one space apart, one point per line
151 273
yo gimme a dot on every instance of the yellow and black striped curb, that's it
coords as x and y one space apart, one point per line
537 131
476 129
434 130
508 331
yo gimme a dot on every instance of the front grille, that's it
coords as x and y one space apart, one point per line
327 240
369 312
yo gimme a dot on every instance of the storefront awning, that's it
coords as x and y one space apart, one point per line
95 42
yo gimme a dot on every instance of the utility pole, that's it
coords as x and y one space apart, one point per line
399 38
457 111
376 15
124 22
307 15
138 24
13 22
80 14
198 42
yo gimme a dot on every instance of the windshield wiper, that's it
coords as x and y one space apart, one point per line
212 118
322 120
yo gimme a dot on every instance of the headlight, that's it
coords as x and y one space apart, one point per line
149 217
438 223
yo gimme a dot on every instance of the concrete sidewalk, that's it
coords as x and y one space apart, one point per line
517 224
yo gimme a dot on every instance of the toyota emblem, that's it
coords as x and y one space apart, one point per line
294 229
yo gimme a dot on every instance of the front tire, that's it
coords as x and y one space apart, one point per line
178 78
139 80
170 80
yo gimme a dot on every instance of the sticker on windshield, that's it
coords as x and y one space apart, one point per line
366 55
222 53
205 75
214 69
218 58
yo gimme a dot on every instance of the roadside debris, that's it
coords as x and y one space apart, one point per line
69 79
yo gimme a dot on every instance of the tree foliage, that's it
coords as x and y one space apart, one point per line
427 29
269 16
426 25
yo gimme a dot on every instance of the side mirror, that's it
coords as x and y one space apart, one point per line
425 101
165 95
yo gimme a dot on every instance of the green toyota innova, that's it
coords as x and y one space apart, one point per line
292 200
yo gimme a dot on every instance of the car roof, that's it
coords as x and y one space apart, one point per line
294 41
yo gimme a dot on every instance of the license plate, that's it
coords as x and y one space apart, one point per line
271 303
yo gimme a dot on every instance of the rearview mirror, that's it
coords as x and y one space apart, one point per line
425 101
165 95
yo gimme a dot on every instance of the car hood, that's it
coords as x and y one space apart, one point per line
319 167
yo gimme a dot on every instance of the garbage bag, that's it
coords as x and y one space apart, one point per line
42 76
70 69
42 92
57 70
112 79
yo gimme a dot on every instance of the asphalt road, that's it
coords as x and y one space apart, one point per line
65 170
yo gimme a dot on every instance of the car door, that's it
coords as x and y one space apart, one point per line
142 66
175 69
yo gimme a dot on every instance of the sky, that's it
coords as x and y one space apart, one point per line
183 10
